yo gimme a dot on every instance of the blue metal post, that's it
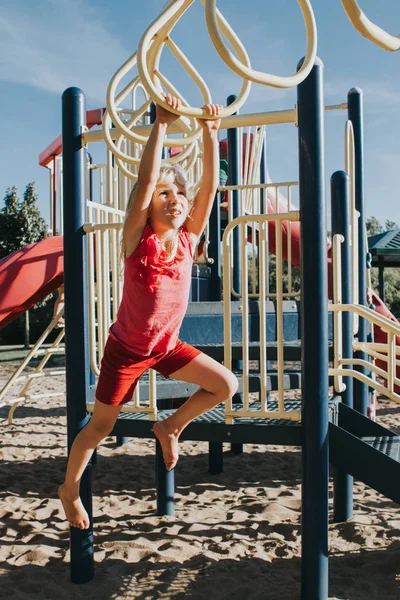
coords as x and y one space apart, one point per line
165 485
314 321
214 249
234 163
233 179
340 208
381 272
215 458
355 114
165 150
76 312
264 205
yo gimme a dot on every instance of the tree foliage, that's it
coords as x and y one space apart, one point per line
295 275
374 226
392 287
391 275
20 222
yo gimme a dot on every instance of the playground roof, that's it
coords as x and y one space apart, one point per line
387 246
93 117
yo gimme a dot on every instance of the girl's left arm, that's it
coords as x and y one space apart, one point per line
204 198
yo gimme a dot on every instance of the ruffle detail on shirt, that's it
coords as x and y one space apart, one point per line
151 260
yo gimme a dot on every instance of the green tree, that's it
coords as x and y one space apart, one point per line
9 226
392 276
392 287
390 225
20 222
373 226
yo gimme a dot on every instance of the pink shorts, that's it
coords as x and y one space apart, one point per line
121 369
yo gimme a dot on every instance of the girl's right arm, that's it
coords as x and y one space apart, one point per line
148 174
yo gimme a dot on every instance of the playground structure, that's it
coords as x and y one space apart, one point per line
255 323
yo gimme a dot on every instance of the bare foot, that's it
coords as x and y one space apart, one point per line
74 511
169 444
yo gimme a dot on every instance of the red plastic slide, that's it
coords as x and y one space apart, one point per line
29 275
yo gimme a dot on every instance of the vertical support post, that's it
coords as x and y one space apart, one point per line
165 482
54 174
314 320
234 163
381 270
214 249
153 112
234 166
27 335
92 378
76 312
264 209
355 114
215 458
340 209
263 178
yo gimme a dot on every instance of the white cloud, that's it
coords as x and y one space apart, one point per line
55 44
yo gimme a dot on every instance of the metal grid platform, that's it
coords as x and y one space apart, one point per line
211 426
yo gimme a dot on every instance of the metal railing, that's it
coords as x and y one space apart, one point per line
14 399
387 352
232 411
275 203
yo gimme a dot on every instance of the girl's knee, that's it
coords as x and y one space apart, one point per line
103 419
229 385
100 428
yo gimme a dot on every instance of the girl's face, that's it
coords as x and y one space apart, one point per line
169 205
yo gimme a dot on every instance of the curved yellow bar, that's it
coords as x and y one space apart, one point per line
157 33
245 71
153 55
368 29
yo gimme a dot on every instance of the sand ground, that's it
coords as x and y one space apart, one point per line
235 536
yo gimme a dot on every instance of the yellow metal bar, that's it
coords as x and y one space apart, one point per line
153 395
369 314
367 346
227 284
279 314
267 414
337 317
368 381
368 29
255 186
245 315
289 243
277 117
262 250
391 372
243 68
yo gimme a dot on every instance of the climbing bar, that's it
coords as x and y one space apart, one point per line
349 167
150 48
368 29
277 117
213 18
337 316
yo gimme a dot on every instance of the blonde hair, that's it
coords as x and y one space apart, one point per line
168 174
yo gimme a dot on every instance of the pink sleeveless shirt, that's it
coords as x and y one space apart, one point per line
155 295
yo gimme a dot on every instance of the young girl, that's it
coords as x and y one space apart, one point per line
161 229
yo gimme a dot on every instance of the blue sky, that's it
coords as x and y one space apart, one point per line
48 45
